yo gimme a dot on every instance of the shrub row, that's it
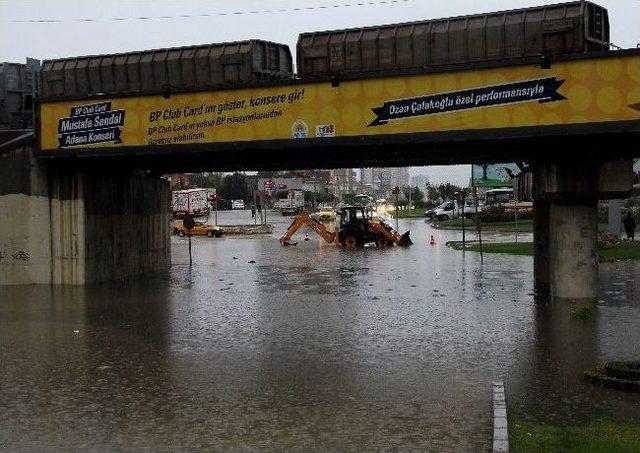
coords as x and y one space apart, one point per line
623 370
617 375
497 213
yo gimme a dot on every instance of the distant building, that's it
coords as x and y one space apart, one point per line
384 179
180 180
419 181
271 186
315 185
343 181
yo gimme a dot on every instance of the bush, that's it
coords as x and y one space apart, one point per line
606 239
635 210
320 197
584 312
603 214
617 375
497 213
623 370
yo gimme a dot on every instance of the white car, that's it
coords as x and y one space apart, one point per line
237 204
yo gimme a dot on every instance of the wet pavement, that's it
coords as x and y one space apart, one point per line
312 347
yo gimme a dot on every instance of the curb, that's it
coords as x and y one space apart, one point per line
500 427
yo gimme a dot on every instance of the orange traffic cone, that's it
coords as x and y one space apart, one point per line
433 241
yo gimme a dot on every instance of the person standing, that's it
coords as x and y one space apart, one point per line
630 225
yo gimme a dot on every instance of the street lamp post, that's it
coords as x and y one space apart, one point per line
477 217
396 192
462 201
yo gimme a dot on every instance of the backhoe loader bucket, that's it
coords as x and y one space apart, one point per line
405 240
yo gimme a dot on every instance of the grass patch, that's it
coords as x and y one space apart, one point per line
511 248
456 224
599 376
523 226
584 312
622 251
597 436
406 213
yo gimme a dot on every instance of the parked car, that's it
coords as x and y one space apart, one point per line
429 213
237 204
200 229
447 210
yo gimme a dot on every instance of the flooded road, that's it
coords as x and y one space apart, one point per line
260 347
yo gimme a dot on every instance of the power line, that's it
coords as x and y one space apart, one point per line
217 14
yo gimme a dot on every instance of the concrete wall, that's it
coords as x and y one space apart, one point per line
25 251
67 227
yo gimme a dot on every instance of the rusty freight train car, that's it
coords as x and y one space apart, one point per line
578 26
200 67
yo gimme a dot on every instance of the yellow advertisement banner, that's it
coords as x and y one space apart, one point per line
570 92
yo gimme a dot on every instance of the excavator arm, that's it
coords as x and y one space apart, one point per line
304 219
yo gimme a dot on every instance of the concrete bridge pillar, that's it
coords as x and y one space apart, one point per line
566 223
573 251
107 226
71 227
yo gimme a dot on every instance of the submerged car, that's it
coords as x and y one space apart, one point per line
200 229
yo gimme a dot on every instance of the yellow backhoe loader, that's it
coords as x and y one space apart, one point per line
356 229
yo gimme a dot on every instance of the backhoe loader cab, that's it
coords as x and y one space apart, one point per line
354 227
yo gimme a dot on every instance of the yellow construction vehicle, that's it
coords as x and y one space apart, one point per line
356 228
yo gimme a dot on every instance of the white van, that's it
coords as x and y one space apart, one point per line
447 210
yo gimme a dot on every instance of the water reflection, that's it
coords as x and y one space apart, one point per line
306 348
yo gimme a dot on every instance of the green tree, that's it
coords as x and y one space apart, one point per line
432 193
349 198
320 197
416 194
213 180
266 174
447 190
234 187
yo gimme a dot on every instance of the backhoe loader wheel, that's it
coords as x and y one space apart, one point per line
350 242
382 243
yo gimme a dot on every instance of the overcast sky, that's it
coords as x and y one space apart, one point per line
84 27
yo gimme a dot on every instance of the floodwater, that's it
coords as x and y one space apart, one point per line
312 347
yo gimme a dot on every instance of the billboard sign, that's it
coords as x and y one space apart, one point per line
494 175
572 92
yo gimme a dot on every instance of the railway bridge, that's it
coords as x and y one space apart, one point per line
73 190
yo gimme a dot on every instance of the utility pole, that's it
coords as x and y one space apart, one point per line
475 197
189 223
314 191
396 192
462 197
